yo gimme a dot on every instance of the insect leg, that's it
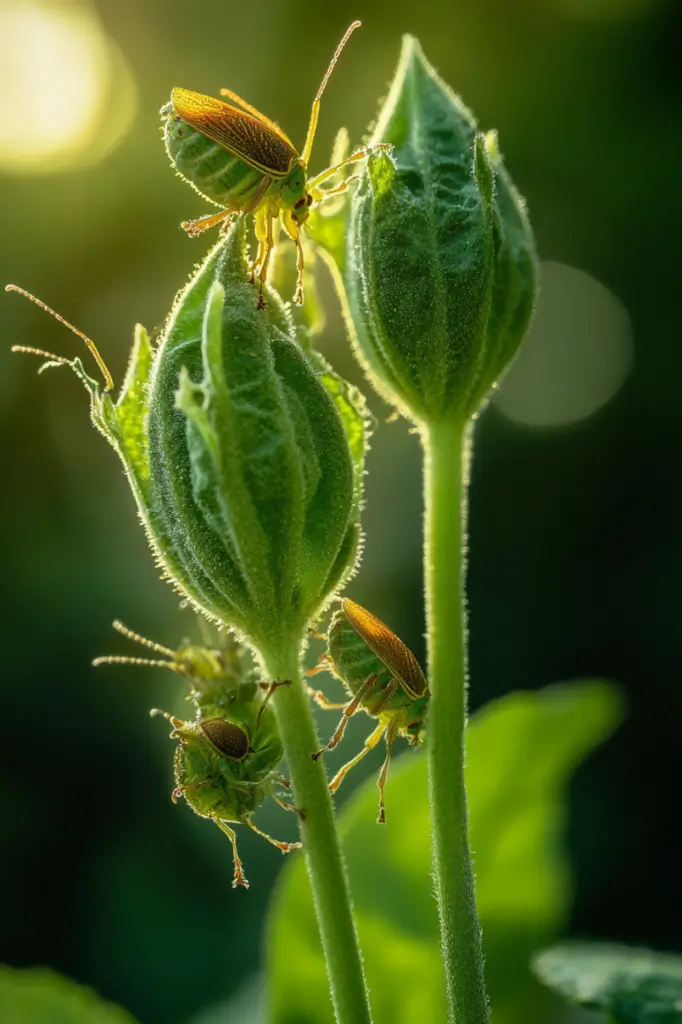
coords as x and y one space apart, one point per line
348 713
251 205
322 665
289 807
322 701
318 636
385 700
331 171
383 775
261 232
300 265
239 878
370 744
270 687
209 220
269 246
284 847
321 194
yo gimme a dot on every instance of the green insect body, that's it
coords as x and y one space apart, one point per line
219 773
240 160
354 661
227 760
219 176
382 677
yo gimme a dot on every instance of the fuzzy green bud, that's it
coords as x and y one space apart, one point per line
244 453
441 271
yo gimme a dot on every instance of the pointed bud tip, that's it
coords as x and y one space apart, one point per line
440 268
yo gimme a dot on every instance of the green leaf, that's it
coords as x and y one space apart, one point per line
635 986
522 751
41 996
131 410
244 1007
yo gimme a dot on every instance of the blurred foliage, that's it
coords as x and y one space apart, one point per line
522 750
576 550
40 996
632 986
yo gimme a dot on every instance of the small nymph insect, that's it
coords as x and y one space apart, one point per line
243 162
382 677
227 759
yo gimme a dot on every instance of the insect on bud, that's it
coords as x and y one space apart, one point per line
441 269
244 457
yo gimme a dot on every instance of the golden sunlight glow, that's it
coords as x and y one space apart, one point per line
576 357
66 94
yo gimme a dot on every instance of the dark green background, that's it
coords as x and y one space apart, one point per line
576 554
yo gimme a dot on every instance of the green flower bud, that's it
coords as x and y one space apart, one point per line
441 271
252 481
245 454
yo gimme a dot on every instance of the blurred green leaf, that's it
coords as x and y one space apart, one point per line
635 986
522 750
41 996
244 1007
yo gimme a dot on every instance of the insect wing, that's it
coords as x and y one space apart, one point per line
398 658
240 133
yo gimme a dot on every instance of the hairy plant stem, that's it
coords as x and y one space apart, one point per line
446 469
326 869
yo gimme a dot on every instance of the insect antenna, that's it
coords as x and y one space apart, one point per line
122 659
108 379
52 359
315 113
151 644
177 723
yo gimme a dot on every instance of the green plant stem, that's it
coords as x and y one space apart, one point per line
446 454
324 860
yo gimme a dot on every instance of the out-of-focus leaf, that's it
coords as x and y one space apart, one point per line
246 1006
522 751
41 996
634 986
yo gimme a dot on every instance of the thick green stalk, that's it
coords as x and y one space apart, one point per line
324 860
446 450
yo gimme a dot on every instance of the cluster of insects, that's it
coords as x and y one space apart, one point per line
227 759
241 161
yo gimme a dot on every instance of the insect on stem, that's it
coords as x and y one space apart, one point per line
108 379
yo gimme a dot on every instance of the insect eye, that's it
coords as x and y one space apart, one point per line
299 204
309 199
